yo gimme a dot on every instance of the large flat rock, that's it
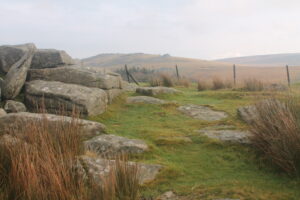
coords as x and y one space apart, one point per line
100 168
86 76
19 121
112 145
234 136
48 58
154 91
57 95
10 54
145 100
202 112
17 73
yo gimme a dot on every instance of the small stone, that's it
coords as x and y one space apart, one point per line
168 196
14 106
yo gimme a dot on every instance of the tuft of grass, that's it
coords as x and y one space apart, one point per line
155 81
276 133
167 80
202 85
218 84
253 85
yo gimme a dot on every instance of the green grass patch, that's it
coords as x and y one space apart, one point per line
202 168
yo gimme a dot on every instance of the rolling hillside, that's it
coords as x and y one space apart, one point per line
201 69
266 60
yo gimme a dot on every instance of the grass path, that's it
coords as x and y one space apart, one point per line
203 168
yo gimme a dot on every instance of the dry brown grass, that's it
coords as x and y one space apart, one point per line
253 85
167 80
184 82
202 85
218 83
276 133
155 81
36 164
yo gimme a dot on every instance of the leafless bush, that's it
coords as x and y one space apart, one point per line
276 133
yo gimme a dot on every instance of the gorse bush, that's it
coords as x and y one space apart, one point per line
37 163
276 133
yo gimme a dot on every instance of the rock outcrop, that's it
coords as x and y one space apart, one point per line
85 76
20 120
112 94
154 91
14 106
16 76
145 100
57 95
202 112
234 136
112 145
49 58
10 54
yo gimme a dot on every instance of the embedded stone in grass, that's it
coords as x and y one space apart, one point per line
234 136
99 168
112 145
202 112
14 106
145 99
169 195
172 140
154 91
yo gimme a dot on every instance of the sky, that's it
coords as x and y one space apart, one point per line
204 29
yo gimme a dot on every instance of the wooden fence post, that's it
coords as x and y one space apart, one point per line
177 73
234 75
127 74
288 75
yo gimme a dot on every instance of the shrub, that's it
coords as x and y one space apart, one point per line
276 133
253 85
218 84
202 85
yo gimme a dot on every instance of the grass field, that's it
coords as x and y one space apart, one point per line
202 168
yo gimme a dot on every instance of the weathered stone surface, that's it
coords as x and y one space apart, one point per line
2 112
19 121
112 94
48 58
145 99
55 95
112 145
234 136
10 54
247 113
154 91
16 76
202 112
99 168
129 87
168 196
85 76
14 106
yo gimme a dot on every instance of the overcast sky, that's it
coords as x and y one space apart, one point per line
205 29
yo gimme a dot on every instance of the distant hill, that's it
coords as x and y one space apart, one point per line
266 60
146 60
268 68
